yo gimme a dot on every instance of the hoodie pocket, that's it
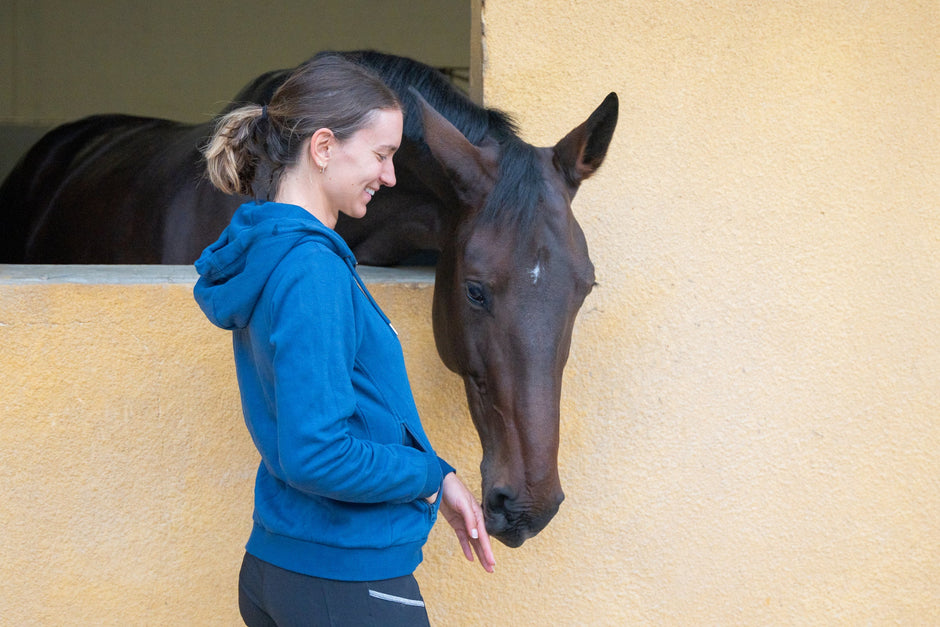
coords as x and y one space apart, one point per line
409 439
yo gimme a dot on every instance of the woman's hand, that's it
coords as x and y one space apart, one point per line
464 514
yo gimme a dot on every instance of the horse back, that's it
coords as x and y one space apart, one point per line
111 178
25 190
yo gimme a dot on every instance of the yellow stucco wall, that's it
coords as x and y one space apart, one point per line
127 472
751 417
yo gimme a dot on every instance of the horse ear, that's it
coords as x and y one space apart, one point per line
467 166
582 151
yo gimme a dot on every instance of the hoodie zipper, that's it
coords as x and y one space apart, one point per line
362 288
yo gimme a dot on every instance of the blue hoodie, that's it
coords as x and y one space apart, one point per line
345 464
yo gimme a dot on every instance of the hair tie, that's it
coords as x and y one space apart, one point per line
264 112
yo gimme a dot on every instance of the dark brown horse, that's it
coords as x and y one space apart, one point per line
512 267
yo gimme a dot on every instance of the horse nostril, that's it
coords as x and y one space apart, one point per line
498 498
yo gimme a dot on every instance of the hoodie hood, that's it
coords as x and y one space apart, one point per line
234 270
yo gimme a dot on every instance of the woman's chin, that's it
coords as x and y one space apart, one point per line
356 213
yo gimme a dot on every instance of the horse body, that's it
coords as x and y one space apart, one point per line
512 261
103 190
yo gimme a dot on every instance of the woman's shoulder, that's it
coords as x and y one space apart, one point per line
311 262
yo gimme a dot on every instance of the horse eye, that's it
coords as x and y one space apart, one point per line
476 294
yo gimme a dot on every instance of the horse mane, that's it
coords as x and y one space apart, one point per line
517 190
400 73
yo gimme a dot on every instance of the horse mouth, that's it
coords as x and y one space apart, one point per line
513 528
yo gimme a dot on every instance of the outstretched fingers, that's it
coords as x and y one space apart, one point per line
464 514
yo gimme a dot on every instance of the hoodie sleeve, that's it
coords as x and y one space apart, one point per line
314 345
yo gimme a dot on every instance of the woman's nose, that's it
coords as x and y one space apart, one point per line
388 175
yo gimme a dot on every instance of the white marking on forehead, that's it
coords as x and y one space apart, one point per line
535 272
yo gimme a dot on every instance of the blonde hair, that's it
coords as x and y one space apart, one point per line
231 155
253 144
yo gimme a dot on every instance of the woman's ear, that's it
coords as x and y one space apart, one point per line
321 144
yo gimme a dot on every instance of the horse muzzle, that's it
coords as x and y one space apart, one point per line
511 521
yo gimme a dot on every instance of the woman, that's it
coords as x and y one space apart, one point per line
348 486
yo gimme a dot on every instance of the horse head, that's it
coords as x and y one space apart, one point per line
517 270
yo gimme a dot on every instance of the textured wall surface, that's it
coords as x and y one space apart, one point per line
752 433
751 418
126 466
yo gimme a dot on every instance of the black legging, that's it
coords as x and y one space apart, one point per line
269 596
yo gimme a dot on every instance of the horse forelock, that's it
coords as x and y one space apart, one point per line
519 187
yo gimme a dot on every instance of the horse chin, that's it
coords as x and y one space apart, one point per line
512 540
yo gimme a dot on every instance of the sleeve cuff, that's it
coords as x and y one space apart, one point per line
446 468
434 477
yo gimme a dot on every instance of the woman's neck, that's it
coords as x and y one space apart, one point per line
297 187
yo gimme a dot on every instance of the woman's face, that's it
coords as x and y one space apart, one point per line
359 166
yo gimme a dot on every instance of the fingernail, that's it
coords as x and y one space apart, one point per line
474 534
